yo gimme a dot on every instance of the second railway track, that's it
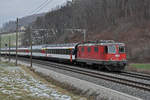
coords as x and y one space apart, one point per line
136 75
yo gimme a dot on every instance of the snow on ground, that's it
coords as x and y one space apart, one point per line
15 82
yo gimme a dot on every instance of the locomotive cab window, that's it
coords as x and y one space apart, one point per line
121 49
111 49
106 49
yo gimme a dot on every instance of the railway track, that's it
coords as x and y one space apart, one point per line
94 74
136 75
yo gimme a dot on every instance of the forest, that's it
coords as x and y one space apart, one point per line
125 21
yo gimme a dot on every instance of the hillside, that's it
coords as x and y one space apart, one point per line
25 21
136 38
125 21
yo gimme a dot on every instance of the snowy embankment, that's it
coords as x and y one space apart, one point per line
16 83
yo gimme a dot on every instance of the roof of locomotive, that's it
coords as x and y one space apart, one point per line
101 42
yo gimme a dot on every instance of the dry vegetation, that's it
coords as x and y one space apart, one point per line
69 87
21 84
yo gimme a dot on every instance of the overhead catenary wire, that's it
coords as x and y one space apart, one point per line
44 4
32 12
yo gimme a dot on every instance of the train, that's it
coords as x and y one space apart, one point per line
104 54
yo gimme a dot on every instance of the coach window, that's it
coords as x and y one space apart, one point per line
53 51
96 49
89 49
56 51
67 51
82 49
59 51
62 51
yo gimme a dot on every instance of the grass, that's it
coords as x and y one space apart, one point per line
5 39
141 66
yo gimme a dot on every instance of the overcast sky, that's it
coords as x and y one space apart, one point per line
11 9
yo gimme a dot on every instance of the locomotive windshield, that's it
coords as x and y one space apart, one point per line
111 49
121 49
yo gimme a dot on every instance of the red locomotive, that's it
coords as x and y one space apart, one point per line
103 54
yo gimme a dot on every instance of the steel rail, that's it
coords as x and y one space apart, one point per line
136 75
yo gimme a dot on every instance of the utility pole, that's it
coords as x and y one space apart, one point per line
30 46
17 42
84 32
0 47
9 48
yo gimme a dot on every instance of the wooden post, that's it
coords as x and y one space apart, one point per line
0 47
9 48
17 42
31 47
84 32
